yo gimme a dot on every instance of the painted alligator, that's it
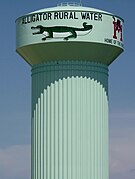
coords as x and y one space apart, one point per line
61 31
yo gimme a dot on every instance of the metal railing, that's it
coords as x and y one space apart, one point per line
70 4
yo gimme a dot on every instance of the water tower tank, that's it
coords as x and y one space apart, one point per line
69 48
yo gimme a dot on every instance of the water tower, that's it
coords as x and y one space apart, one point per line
69 48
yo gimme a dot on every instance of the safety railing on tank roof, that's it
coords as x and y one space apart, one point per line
70 4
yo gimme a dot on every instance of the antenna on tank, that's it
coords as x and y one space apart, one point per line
80 2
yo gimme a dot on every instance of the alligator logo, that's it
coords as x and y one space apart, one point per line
65 32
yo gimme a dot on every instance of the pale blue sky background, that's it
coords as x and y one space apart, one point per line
15 92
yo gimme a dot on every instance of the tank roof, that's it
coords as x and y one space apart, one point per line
70 6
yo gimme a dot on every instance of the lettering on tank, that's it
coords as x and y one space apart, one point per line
61 15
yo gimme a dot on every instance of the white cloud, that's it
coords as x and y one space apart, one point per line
122 156
122 145
15 162
123 115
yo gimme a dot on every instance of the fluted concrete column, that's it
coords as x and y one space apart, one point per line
70 120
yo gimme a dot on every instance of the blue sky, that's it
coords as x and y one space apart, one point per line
15 93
